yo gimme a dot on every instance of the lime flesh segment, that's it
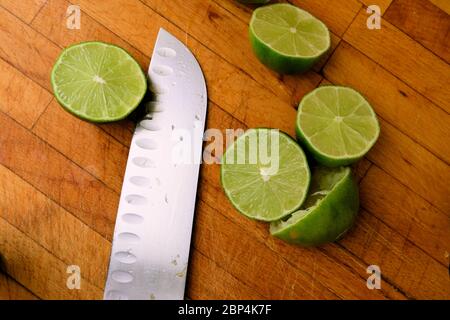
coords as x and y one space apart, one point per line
260 187
287 39
98 82
337 125
328 212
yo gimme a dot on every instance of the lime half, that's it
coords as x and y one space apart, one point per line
265 174
328 212
337 125
288 39
98 82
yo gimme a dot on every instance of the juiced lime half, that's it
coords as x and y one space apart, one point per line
328 212
337 125
265 174
98 82
288 39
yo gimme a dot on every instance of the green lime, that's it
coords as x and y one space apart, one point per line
337 125
288 39
265 174
328 212
98 82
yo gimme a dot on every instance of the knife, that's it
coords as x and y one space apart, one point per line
150 251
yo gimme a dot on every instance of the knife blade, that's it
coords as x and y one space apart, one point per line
150 251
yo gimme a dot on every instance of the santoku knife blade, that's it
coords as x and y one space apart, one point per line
150 251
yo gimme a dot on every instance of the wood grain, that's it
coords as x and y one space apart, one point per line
53 228
401 261
25 9
86 144
37 269
17 91
383 4
20 44
412 165
424 22
444 5
412 217
57 177
61 183
398 53
12 290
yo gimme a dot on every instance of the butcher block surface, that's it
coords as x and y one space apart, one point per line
60 177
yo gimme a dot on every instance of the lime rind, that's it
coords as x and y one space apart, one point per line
84 69
246 190
328 212
323 114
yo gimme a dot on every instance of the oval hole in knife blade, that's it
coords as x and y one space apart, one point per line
154 106
167 52
122 276
144 162
162 70
158 89
116 295
148 144
125 257
141 181
136 200
128 237
132 218
150 125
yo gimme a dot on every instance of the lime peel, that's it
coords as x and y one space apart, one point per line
328 212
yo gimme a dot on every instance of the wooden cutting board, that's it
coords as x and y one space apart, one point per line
60 178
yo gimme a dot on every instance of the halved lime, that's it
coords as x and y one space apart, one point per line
98 82
337 125
328 212
288 39
265 174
